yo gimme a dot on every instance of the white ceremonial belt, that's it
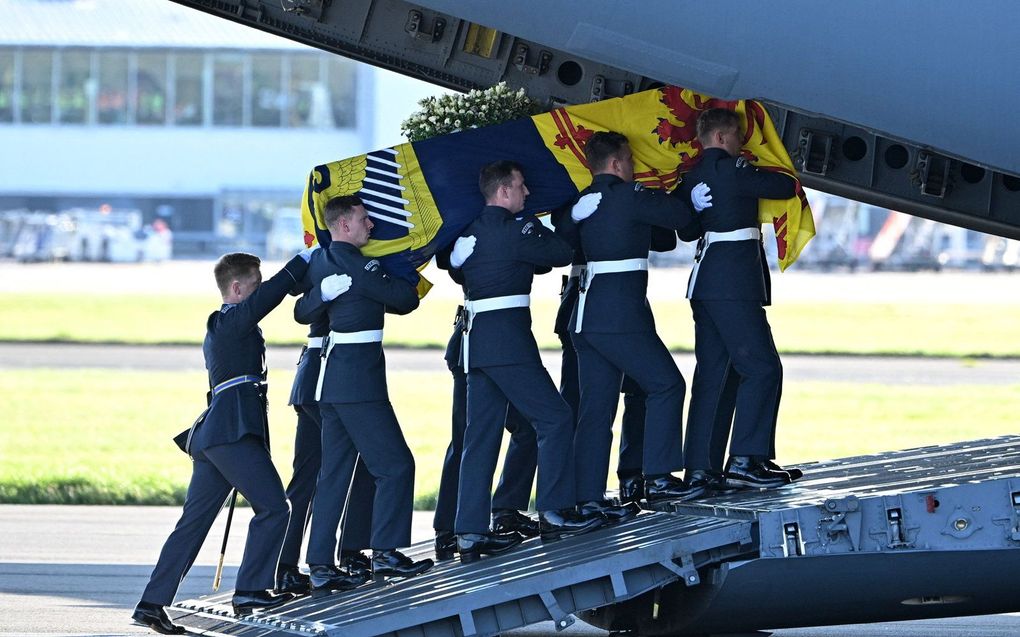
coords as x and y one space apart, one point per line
740 234
314 342
342 338
346 338
602 267
487 305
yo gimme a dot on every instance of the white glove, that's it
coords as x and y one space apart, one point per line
462 249
306 254
333 286
586 206
700 197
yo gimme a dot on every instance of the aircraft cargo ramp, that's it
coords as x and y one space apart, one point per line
926 532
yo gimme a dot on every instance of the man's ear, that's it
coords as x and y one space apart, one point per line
235 287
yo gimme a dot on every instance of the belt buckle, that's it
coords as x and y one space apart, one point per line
326 340
700 250
582 279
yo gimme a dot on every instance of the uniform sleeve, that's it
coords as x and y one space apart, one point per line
443 263
763 184
663 239
534 243
247 314
691 232
659 208
310 307
399 296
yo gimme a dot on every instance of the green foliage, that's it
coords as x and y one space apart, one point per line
455 112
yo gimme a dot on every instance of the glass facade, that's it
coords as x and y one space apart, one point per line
183 87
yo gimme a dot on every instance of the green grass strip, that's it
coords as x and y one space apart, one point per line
104 436
915 329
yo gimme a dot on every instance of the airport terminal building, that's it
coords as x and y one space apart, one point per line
151 106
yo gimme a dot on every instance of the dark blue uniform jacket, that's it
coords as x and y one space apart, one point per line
359 369
663 240
734 270
234 347
507 253
620 229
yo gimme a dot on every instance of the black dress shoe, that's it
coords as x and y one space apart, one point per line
745 471
610 512
326 578
471 546
555 525
393 563
446 545
632 489
794 473
247 601
153 616
513 521
670 487
290 579
356 564
713 481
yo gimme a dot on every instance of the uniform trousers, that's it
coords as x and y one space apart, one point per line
371 429
301 490
632 430
246 466
738 378
603 359
529 389
514 488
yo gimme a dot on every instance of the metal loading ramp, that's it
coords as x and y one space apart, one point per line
915 534
534 583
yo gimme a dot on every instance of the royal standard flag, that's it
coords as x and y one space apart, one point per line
421 195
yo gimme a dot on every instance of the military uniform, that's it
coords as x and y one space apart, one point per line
357 416
504 366
633 422
514 488
614 333
728 289
230 448
308 456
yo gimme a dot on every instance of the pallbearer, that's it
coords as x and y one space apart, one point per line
230 447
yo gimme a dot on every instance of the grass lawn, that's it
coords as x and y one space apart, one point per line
941 329
101 436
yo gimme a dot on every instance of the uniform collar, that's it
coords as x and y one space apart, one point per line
605 179
715 153
343 246
495 210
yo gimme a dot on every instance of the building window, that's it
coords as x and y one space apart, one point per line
76 86
267 98
342 91
307 101
228 90
6 86
112 100
188 89
150 88
36 87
